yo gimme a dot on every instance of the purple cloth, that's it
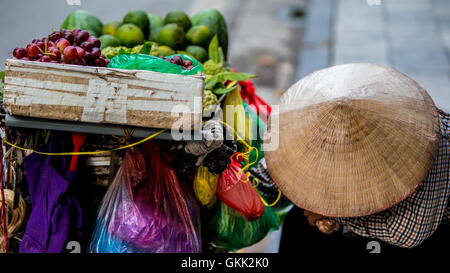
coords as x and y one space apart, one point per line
55 214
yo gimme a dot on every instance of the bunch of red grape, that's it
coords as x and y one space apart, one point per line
64 46
185 64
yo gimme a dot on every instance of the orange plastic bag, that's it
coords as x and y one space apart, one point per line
235 190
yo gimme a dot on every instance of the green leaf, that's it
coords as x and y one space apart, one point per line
221 57
213 49
2 82
2 78
226 76
211 82
221 91
146 48
231 76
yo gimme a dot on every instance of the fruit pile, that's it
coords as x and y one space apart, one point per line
186 64
204 36
76 47
175 33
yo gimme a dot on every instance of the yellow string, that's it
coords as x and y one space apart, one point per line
244 181
246 155
255 183
128 134
88 153
274 203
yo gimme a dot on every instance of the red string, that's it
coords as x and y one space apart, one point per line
3 211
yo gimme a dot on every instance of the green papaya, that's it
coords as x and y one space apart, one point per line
215 21
83 20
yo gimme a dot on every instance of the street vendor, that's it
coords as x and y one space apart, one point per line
364 154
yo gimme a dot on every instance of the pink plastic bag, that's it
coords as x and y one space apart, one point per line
149 209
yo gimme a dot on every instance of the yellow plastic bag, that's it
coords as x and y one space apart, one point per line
205 184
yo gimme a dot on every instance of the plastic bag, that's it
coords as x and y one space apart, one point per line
205 184
258 105
227 229
152 63
107 243
131 172
237 191
257 131
147 209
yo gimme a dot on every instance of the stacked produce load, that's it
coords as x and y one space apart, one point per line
144 194
76 47
174 33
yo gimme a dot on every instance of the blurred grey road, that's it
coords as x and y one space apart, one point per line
412 36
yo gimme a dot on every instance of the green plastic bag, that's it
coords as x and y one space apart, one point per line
257 133
229 230
152 63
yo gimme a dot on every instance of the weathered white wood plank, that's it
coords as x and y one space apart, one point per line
101 95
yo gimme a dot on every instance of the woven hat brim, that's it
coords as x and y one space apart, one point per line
354 157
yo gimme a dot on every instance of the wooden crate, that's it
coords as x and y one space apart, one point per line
102 95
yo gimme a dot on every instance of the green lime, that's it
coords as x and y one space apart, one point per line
111 28
198 52
130 35
178 17
139 18
199 35
171 35
155 20
108 40
164 51
154 33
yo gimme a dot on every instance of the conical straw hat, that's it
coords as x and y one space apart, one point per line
354 139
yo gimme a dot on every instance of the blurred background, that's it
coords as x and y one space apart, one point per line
283 40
